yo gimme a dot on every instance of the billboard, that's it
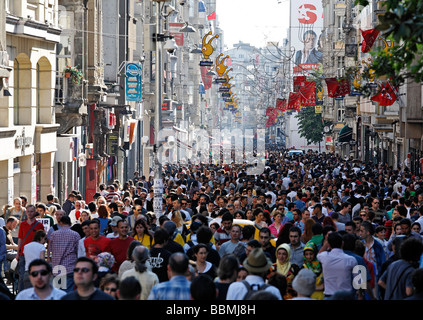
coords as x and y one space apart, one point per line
306 28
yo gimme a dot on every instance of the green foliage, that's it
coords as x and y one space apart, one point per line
310 125
402 23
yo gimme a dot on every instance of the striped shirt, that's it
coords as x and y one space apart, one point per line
177 288
63 245
110 195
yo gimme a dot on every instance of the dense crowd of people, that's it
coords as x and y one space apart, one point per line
309 227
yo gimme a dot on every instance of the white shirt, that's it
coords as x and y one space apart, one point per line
32 251
81 248
337 270
30 294
237 290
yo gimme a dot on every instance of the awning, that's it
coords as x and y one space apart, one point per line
345 135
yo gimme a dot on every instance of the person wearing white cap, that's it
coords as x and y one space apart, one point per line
257 265
304 284
113 224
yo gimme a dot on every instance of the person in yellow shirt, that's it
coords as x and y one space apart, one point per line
142 234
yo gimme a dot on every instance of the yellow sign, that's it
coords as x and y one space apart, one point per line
207 47
387 47
357 79
220 67
372 72
318 109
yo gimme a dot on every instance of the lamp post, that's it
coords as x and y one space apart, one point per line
158 181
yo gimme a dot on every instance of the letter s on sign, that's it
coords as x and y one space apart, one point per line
307 16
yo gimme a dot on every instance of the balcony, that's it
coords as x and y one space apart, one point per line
70 104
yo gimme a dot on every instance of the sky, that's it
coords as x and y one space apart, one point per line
255 22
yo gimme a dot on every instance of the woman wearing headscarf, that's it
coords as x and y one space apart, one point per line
105 263
285 267
311 262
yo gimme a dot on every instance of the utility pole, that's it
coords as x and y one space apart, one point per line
158 180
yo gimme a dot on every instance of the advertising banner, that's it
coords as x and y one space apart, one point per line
305 33
133 85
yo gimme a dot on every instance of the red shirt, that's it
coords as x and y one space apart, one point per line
118 249
94 247
23 230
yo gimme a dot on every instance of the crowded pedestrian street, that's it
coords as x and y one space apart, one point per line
310 226
213 154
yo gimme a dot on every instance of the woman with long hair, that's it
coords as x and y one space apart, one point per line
179 221
104 217
307 234
142 233
327 221
283 235
203 266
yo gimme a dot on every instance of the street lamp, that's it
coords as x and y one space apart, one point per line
158 38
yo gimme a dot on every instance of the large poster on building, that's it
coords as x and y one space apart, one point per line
306 25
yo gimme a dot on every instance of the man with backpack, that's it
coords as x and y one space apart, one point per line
257 265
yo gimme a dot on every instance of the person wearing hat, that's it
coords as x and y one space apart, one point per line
304 284
257 265
113 224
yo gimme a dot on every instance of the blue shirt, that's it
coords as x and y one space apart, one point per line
177 288
2 244
30 294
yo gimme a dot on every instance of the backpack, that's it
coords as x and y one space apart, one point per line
251 290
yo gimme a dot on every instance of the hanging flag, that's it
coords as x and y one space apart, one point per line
344 87
308 94
337 87
207 79
299 81
211 16
370 37
201 89
332 84
294 101
271 112
270 122
201 6
281 104
386 95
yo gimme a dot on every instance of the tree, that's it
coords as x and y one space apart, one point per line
402 23
310 125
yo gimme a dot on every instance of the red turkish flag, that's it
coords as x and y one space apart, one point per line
271 112
299 81
294 101
281 104
271 121
332 84
308 94
344 87
370 37
386 95
211 16
337 87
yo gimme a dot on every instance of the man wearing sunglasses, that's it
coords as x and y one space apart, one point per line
84 275
40 274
